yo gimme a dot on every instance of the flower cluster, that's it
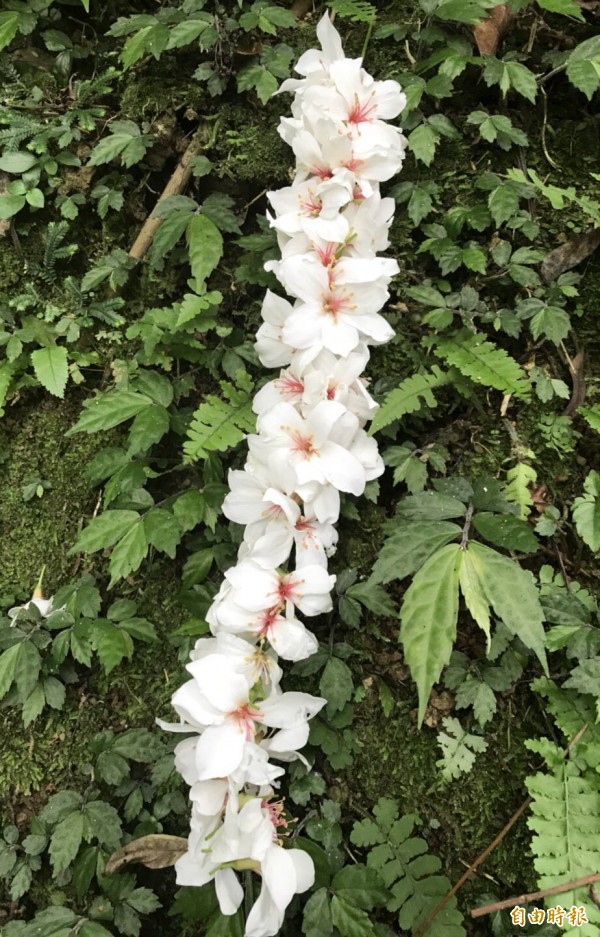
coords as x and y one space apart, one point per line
310 445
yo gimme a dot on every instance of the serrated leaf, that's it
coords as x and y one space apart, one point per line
564 7
408 547
565 819
430 505
51 368
162 531
422 142
591 415
408 397
512 593
428 619
484 363
109 410
8 663
66 840
373 597
220 422
128 554
148 428
112 644
316 921
105 530
336 683
205 245
350 920
9 24
459 749
586 512
474 596
503 202
507 531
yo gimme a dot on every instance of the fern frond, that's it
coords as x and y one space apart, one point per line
407 870
484 363
566 822
572 710
19 128
221 422
410 395
56 232
357 11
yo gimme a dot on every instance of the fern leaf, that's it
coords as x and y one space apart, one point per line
518 480
357 11
459 749
408 397
221 422
572 710
566 845
484 363
407 870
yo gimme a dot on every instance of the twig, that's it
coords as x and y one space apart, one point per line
534 895
489 849
175 186
473 867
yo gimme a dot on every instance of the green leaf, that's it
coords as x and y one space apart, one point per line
552 322
506 530
591 415
428 619
503 202
105 530
162 531
221 422
148 428
33 705
27 669
66 840
564 7
350 920
409 546
484 363
16 163
430 505
51 368
585 678
565 818
168 234
205 245
459 749
512 593
316 921
373 597
112 644
336 683
474 596
518 481
422 142
9 23
586 512
408 397
8 663
10 205
109 410
129 553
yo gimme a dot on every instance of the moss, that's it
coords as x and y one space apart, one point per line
42 530
397 760
11 265
248 147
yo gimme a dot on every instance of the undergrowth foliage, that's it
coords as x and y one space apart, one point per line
476 550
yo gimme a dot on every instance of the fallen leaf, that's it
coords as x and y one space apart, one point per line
489 32
156 851
569 254
4 223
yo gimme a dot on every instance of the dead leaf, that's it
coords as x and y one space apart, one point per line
156 851
540 497
440 704
568 255
489 32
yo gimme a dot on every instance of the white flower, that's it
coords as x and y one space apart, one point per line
270 346
304 450
313 208
285 873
